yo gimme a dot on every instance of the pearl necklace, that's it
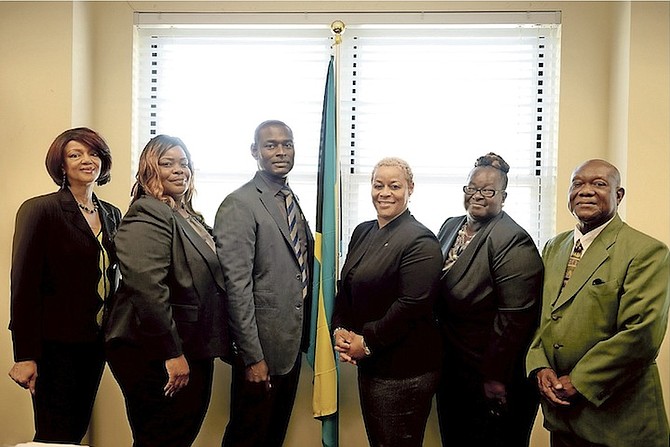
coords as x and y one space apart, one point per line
87 209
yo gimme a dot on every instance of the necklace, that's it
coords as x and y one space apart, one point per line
464 233
87 209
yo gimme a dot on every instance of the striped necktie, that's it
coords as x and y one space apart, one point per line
575 256
292 216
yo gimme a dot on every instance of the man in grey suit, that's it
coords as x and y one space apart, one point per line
265 262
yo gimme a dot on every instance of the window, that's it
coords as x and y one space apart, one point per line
438 90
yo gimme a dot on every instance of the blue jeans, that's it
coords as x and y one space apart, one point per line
395 411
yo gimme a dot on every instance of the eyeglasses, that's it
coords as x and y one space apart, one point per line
488 193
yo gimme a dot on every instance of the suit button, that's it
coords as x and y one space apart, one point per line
557 346
298 277
298 306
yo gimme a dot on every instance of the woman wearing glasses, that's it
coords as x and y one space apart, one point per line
488 311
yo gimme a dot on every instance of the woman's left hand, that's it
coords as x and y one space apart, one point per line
350 347
343 339
178 373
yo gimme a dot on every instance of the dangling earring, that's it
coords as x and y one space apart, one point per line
64 184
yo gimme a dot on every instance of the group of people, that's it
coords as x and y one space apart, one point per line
474 315
480 278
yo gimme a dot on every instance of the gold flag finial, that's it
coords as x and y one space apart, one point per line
337 27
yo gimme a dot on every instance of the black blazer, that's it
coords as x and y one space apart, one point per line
490 298
387 293
55 272
171 300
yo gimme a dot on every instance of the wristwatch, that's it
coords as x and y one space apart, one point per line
366 349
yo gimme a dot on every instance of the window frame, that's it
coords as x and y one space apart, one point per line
171 23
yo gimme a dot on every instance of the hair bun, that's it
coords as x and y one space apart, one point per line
493 160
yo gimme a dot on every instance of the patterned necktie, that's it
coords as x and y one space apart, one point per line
572 262
292 216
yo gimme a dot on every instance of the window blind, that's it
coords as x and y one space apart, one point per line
437 94
441 97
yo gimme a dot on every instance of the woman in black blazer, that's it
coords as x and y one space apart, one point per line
384 312
167 322
63 267
488 310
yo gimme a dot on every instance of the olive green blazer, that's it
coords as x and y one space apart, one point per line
605 330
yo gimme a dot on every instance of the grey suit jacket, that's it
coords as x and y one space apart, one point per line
171 298
268 319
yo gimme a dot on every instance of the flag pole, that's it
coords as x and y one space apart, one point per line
337 28
321 355
330 423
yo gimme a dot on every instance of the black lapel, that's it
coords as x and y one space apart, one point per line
353 258
73 215
464 261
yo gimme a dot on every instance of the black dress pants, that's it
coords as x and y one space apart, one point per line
468 419
259 416
68 376
157 420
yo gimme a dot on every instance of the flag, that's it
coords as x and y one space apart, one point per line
321 355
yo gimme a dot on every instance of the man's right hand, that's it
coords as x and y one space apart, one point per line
550 387
25 374
258 372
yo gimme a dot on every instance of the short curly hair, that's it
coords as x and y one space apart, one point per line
396 163
269 123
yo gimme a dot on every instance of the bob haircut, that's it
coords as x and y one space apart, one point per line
148 173
56 154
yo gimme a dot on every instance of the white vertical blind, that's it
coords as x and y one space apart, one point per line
438 95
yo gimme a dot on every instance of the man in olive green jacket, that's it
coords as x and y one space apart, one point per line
594 355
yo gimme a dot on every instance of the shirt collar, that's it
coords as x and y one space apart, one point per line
274 184
588 238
